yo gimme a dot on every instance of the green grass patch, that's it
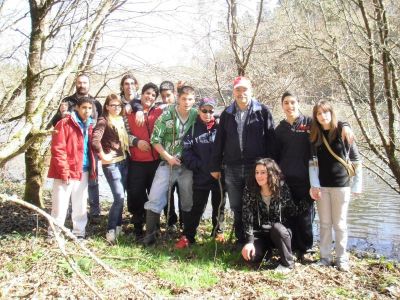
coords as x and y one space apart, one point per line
193 267
341 292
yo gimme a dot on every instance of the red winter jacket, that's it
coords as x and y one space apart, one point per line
67 151
144 133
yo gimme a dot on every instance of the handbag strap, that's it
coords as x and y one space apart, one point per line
338 158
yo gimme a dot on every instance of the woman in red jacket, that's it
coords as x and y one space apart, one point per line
110 141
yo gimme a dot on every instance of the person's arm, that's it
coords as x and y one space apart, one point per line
269 129
157 139
313 169
289 208
97 136
137 108
355 157
172 160
215 164
59 151
346 133
189 156
248 250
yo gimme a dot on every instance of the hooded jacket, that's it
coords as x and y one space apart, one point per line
67 147
197 148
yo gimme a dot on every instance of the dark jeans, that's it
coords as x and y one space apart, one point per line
173 217
116 174
93 191
140 178
302 229
278 237
235 181
192 218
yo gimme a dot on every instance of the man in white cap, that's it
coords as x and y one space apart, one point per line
245 133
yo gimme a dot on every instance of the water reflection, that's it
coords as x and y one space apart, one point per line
373 220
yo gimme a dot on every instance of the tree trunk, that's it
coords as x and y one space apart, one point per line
35 172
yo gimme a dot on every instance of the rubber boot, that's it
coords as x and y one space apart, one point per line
152 225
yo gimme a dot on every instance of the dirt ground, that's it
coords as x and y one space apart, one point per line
30 269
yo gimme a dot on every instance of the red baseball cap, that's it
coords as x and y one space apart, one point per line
241 81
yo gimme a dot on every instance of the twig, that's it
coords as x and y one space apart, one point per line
72 263
67 232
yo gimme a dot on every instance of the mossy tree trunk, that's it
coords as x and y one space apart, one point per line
35 173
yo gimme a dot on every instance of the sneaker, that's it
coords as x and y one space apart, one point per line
118 231
220 238
182 243
324 262
110 236
282 269
172 228
343 266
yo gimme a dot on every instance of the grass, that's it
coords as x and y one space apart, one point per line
29 266
192 268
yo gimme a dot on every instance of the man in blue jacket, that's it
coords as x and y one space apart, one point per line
245 133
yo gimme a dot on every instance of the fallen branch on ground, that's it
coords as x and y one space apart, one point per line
67 232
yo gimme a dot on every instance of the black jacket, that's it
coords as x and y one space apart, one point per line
197 148
256 213
258 137
293 154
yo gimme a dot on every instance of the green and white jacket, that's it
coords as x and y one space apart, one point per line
169 130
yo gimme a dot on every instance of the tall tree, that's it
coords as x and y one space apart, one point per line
358 41
52 22
241 47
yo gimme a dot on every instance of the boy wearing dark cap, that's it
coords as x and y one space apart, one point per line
197 148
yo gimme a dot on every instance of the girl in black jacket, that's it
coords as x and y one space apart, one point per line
267 207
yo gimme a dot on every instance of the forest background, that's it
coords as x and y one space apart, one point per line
343 51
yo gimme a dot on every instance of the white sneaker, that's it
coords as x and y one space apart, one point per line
118 231
282 269
324 262
110 236
343 266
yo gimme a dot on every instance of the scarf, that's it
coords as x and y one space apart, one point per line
118 124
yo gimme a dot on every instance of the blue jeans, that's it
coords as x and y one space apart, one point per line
116 175
235 181
159 188
93 190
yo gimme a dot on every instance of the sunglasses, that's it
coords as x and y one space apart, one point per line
206 111
115 105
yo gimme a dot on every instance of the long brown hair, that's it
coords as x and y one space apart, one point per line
316 128
125 77
274 178
110 98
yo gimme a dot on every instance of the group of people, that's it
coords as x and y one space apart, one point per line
272 176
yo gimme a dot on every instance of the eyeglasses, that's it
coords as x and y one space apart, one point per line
115 105
206 111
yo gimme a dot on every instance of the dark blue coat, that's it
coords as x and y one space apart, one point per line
258 137
197 149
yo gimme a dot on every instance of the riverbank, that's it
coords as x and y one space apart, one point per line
31 268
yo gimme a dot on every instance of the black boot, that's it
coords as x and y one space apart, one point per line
152 226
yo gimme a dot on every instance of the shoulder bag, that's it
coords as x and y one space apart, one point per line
350 168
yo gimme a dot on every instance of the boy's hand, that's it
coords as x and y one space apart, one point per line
216 175
174 161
